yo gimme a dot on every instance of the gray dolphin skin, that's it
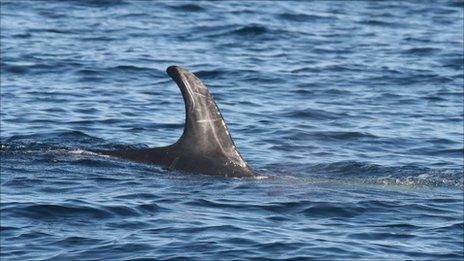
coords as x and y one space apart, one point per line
205 146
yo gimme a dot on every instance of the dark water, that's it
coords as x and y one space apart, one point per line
355 109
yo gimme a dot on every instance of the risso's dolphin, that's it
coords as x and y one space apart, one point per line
205 146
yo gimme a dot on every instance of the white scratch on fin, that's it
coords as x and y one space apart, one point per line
209 120
197 93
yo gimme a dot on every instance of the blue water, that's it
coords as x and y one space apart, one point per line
353 110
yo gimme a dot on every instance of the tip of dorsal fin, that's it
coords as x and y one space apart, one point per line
205 130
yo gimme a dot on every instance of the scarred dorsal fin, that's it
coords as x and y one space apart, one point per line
205 129
205 145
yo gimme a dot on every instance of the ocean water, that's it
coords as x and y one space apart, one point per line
352 110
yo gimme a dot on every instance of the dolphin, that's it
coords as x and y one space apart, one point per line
205 147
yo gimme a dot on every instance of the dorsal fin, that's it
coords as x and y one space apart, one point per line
205 145
205 130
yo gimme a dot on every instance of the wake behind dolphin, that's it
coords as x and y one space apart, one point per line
205 146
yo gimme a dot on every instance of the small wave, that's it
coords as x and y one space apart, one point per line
99 3
455 63
25 35
76 240
314 114
88 72
53 15
327 68
133 69
251 30
305 17
381 236
121 211
105 39
374 22
421 50
331 210
215 204
326 135
16 69
432 150
442 141
401 225
148 208
433 98
210 74
54 211
343 135
337 92
34 68
455 226
188 8
49 30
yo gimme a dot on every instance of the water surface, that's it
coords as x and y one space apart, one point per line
353 109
